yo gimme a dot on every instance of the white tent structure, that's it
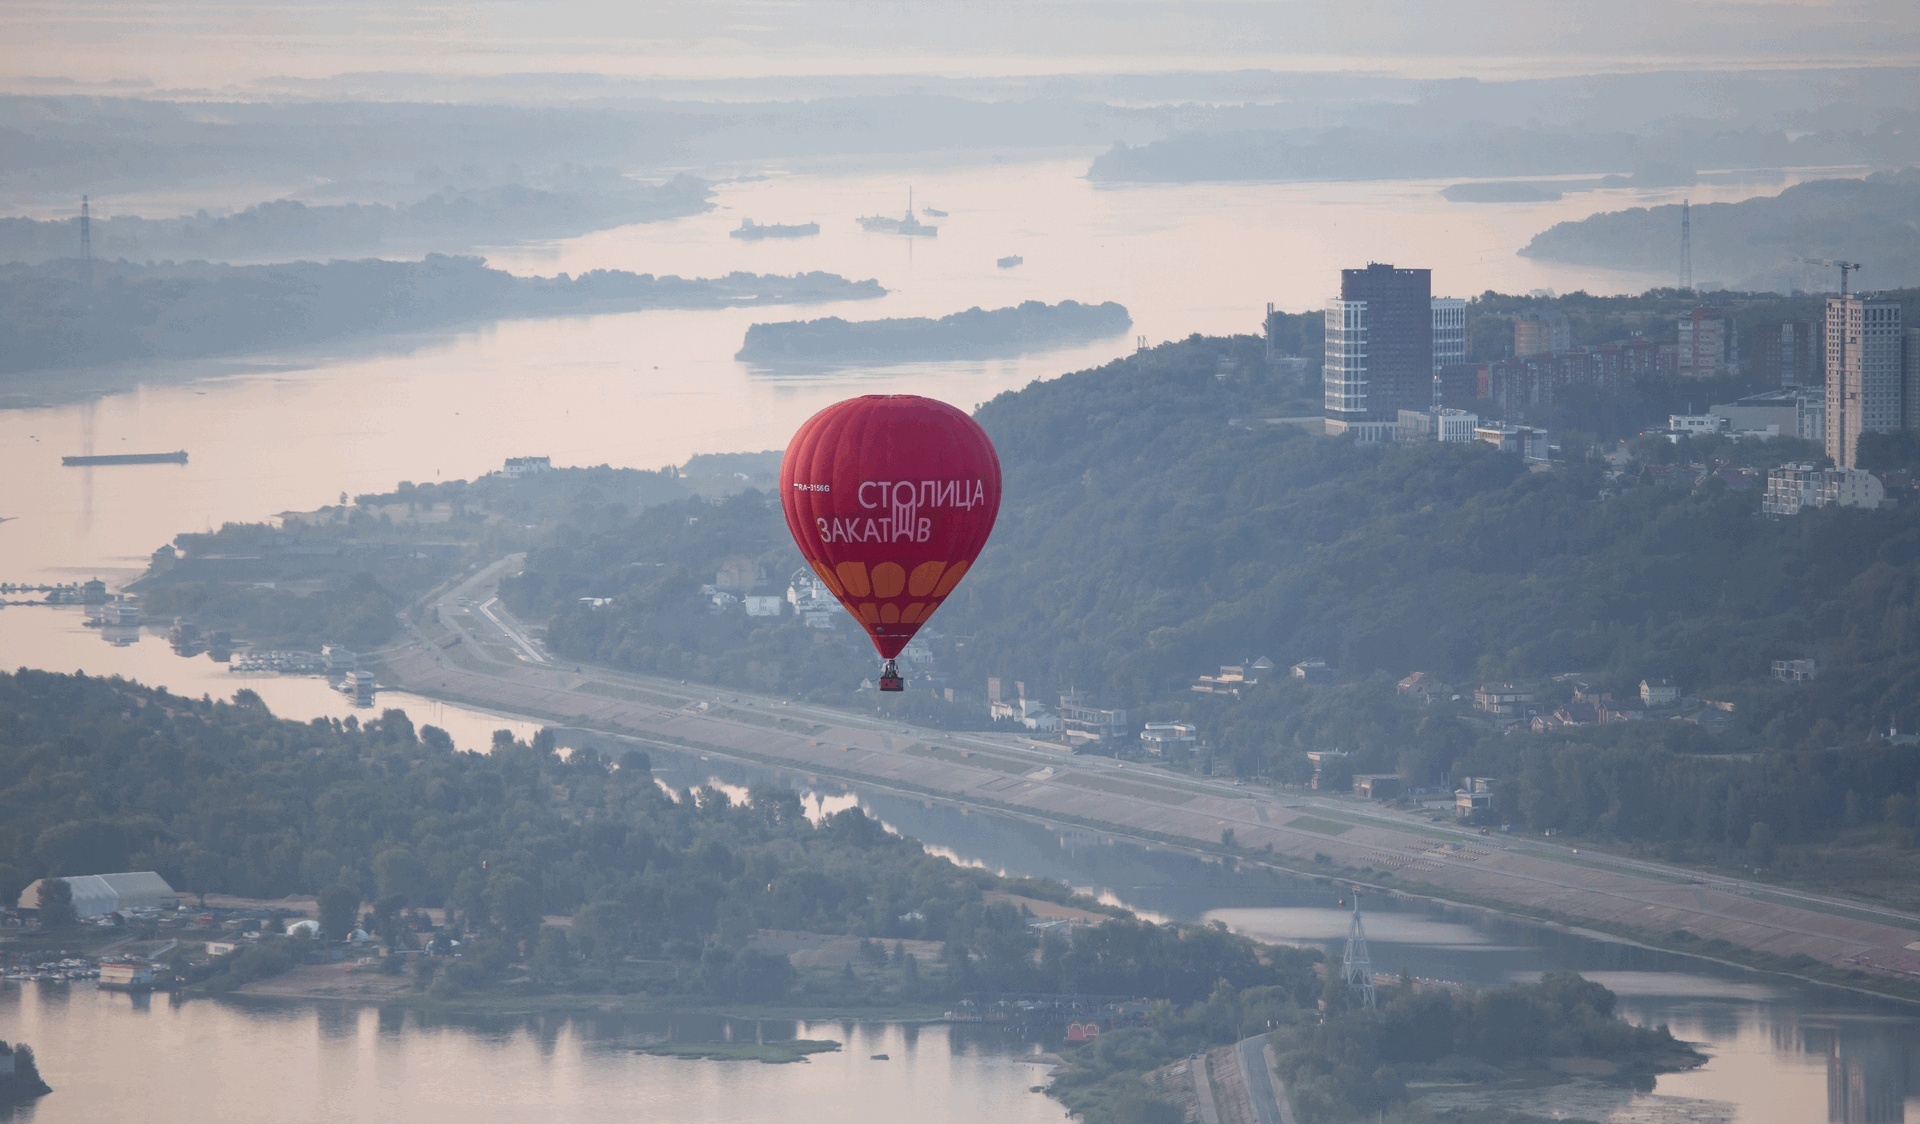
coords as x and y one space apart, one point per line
96 895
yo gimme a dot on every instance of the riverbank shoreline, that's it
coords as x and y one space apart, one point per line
334 983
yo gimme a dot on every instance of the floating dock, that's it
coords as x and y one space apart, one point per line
176 457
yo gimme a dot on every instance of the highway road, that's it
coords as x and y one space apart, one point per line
1264 1092
497 660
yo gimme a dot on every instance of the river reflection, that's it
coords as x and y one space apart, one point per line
111 1057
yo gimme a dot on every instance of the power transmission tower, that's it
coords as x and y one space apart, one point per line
1356 964
1686 245
86 244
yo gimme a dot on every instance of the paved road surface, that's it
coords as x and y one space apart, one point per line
1268 1106
1203 1090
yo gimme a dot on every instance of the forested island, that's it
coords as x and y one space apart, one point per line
455 219
690 899
973 334
1756 243
20 1082
51 318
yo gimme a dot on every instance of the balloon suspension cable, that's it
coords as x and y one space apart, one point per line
890 678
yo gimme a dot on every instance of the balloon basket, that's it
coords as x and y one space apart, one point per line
890 678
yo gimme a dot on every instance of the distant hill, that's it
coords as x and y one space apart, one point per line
1753 244
973 334
450 221
50 320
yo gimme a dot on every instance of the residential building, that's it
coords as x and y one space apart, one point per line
1456 426
1437 425
1787 354
763 606
1541 333
1314 671
1083 724
1530 443
1696 425
1458 383
1321 759
1449 332
1169 741
1378 786
812 601
1344 370
1503 700
1911 378
1423 688
1866 373
1399 327
1658 692
1796 671
1023 712
1473 798
1379 349
1703 344
96 895
517 467
1794 486
1233 677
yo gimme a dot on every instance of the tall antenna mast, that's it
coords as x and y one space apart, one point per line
86 244
1356 965
1686 245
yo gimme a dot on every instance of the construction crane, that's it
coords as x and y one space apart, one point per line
1845 267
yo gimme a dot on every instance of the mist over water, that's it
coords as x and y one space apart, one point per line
646 389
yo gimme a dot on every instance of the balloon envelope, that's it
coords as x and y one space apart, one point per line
890 498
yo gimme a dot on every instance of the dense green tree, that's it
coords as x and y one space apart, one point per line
56 905
339 911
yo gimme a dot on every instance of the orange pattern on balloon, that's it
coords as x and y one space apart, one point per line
950 579
924 577
889 578
853 575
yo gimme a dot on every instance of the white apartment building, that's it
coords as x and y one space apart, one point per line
1449 332
1344 372
1792 487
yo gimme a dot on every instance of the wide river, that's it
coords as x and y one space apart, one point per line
647 389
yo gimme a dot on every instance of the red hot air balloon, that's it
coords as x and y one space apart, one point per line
890 497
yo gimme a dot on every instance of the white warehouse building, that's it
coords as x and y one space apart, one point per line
96 895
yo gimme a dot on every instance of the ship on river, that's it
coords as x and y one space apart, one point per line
178 456
753 231
906 224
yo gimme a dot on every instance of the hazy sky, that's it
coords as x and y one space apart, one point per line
216 44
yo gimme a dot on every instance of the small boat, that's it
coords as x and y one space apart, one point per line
933 212
1010 261
880 1058
907 224
753 231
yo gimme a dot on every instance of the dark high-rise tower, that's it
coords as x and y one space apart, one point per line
1399 345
